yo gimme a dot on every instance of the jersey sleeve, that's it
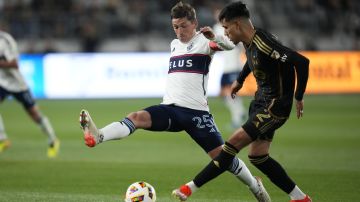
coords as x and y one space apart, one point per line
220 43
271 47
244 73
9 49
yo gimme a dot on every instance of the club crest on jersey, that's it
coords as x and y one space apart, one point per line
275 55
190 46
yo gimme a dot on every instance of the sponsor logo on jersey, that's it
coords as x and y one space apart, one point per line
283 58
190 63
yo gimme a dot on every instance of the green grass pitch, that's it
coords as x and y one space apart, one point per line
320 152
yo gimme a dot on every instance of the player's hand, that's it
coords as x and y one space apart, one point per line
207 32
235 87
299 108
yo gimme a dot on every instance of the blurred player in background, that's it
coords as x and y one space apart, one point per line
12 83
184 106
232 67
275 68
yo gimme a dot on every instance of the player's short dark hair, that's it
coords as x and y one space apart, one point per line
234 10
181 10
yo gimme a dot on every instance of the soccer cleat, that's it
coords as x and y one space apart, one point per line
261 195
4 144
53 149
92 136
306 199
182 193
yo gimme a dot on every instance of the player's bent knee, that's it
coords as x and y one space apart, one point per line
140 118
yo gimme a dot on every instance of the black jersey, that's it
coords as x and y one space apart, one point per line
275 67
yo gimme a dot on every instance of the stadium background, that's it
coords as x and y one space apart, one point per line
58 38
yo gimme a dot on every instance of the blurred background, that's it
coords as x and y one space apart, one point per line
104 55
43 26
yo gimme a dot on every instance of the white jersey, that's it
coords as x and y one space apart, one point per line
232 63
10 78
188 71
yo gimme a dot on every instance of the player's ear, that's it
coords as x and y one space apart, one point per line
238 23
195 22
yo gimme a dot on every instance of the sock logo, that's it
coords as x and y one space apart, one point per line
101 138
217 163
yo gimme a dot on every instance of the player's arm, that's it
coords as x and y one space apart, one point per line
301 64
9 54
238 83
217 42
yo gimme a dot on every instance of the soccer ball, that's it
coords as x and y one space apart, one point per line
140 192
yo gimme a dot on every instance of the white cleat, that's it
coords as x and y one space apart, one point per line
261 195
179 195
92 136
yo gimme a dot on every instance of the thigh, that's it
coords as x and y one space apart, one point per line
163 119
3 94
260 124
25 98
200 125
228 78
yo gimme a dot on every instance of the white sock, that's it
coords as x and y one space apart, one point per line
2 130
192 186
239 169
117 130
297 194
47 129
236 109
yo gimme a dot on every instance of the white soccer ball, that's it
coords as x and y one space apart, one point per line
140 192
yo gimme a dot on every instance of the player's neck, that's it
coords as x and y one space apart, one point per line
249 33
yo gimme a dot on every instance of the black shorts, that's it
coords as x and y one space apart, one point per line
228 78
261 123
200 125
24 97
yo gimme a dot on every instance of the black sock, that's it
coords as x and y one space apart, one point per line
274 171
217 166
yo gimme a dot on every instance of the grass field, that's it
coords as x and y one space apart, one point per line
321 153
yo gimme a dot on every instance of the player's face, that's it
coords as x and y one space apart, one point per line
184 29
231 30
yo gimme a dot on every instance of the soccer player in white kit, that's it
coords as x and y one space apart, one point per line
232 67
13 83
184 105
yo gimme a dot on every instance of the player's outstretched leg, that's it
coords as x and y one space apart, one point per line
92 136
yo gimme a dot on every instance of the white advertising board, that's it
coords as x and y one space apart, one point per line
113 75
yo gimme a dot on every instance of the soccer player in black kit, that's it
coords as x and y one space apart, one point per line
275 67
